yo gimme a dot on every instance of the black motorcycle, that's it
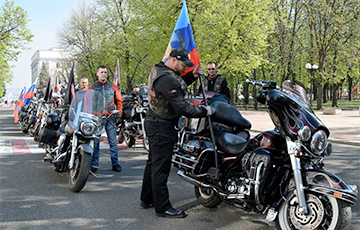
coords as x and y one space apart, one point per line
76 136
133 117
278 173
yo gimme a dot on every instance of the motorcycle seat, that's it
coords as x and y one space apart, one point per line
230 143
229 115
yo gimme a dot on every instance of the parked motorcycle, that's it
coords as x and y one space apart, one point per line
27 115
76 137
278 173
133 117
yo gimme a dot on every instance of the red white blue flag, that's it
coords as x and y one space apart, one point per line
17 106
182 36
29 94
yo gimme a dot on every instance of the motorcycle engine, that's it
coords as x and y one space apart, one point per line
238 188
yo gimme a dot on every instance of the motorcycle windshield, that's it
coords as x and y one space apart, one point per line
87 106
290 110
296 91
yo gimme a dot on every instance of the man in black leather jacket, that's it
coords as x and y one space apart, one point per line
167 104
215 82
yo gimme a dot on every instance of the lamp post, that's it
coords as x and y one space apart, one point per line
312 68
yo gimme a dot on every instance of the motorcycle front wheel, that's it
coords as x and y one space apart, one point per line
128 139
207 197
325 212
80 172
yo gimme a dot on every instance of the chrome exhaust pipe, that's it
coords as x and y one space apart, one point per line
194 181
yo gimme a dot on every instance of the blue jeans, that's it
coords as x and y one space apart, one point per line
111 133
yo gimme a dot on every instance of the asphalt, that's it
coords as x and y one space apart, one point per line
344 127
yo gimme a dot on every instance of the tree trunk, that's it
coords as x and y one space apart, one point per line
256 104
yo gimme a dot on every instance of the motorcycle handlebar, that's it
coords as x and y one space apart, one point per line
263 84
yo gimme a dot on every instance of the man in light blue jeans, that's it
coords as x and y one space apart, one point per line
113 101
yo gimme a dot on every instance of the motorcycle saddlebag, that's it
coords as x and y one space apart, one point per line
48 137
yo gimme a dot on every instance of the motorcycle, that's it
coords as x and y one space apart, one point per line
76 136
26 115
133 117
45 109
278 173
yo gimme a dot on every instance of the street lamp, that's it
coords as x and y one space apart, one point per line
312 68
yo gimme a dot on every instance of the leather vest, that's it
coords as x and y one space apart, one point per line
107 91
217 85
158 104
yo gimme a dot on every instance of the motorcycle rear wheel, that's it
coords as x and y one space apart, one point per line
207 197
325 212
80 173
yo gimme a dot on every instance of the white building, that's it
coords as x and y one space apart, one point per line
52 58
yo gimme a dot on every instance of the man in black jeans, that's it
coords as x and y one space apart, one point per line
167 104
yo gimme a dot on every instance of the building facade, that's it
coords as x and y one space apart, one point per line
53 59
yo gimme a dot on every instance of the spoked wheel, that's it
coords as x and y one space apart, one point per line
207 197
80 172
325 212
129 140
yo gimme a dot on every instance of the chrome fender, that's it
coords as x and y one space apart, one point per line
86 148
326 183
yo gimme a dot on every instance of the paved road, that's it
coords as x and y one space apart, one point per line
33 196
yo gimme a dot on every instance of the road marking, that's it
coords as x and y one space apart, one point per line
30 146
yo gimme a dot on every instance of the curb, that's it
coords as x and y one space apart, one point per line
338 141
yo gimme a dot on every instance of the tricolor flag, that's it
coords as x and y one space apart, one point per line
29 94
17 106
116 80
182 36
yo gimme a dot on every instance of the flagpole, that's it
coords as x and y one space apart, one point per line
211 129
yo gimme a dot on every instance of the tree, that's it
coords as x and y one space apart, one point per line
14 37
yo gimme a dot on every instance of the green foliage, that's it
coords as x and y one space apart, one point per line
14 37
269 40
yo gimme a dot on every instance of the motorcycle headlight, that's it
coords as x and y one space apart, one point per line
304 133
88 128
318 142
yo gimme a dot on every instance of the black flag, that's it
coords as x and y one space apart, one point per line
70 90
47 94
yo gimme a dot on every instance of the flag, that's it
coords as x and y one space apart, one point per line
70 90
17 106
57 85
29 94
117 74
47 94
182 37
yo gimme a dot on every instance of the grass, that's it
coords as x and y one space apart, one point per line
341 104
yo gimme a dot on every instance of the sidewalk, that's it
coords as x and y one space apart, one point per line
344 128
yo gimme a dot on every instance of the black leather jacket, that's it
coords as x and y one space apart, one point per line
166 94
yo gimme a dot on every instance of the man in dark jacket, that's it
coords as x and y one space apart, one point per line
215 82
167 104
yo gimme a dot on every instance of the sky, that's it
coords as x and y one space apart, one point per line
46 18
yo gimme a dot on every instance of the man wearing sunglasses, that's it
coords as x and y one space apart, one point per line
215 82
